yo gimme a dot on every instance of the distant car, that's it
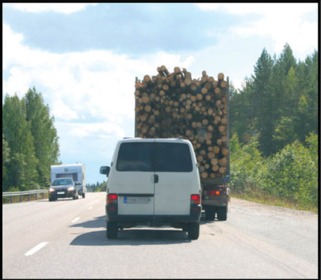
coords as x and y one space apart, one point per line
63 188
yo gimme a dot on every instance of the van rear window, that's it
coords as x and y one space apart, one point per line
135 157
158 157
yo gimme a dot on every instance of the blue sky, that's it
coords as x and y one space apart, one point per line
84 58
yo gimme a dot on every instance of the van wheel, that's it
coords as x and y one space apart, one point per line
83 195
185 227
194 231
209 213
222 213
112 230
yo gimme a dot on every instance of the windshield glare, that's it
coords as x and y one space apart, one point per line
61 182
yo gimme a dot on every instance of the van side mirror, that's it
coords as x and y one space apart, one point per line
104 170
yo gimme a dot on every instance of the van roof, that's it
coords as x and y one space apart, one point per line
137 139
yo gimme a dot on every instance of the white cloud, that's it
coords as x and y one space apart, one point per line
90 94
282 22
64 8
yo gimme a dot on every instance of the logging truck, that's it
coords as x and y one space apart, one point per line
173 104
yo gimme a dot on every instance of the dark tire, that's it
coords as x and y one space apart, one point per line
185 227
112 230
222 213
209 213
76 195
193 230
83 195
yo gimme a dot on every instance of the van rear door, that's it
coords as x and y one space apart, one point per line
135 178
175 177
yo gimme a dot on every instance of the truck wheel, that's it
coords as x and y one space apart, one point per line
193 231
112 230
83 195
209 213
222 213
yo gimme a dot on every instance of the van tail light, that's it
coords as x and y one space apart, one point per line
112 198
196 207
112 203
195 199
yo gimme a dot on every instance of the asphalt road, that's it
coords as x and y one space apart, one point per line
67 239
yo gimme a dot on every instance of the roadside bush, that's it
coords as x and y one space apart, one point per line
247 166
292 174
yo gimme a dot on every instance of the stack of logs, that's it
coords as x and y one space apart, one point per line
175 105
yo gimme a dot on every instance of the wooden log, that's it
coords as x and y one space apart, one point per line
217 90
204 175
148 108
193 86
204 78
216 149
165 87
222 161
177 71
222 170
220 76
225 151
187 75
204 90
145 99
223 84
147 79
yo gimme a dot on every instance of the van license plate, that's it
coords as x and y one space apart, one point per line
133 200
60 192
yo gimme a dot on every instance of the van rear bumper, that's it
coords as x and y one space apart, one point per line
195 216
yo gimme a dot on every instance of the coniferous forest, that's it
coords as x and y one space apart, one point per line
273 127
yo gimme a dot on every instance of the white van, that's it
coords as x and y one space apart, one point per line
153 182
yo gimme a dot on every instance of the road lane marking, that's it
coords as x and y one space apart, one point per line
36 248
75 220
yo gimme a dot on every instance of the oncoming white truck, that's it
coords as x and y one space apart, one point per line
76 171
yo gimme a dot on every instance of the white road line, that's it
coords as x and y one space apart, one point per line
36 248
75 220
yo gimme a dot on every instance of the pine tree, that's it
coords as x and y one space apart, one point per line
283 87
263 100
5 162
44 134
16 131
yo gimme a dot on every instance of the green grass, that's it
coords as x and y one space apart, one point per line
264 199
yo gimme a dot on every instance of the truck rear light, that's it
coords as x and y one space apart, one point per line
217 192
112 198
195 199
213 193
